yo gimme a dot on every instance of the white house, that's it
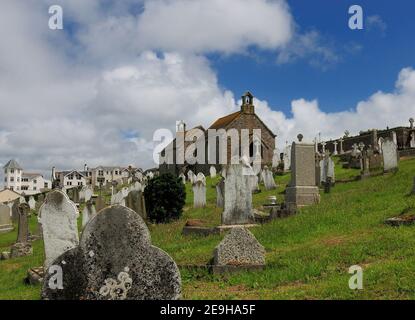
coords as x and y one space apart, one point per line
17 180
70 179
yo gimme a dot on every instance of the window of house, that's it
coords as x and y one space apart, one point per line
34 181
12 171
11 179
45 185
34 188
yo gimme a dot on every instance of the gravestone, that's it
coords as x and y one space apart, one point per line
118 198
115 260
220 190
15 210
75 195
59 225
327 169
302 189
88 194
135 201
32 203
100 203
22 247
191 176
212 172
5 219
390 155
268 179
275 159
238 197
88 213
199 191
239 248
39 202
183 177
412 142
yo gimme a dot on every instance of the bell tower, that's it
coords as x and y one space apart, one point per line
248 103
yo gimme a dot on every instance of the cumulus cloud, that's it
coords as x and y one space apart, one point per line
95 93
376 23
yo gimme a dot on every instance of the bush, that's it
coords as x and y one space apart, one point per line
165 197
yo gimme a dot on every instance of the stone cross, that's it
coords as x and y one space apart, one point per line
115 260
58 216
335 153
341 146
323 144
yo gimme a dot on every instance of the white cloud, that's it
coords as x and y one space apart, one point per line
96 96
376 23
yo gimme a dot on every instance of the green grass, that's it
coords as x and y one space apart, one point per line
308 255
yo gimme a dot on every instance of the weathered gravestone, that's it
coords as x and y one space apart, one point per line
15 210
239 248
390 155
191 176
88 213
118 198
327 169
275 159
5 219
268 179
302 189
59 225
115 260
32 203
199 191
22 247
212 172
100 203
183 177
238 197
88 194
220 190
135 201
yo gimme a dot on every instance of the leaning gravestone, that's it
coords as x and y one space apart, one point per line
59 225
88 213
220 189
115 260
238 197
88 194
390 155
22 247
268 179
5 220
15 211
239 248
99 203
135 201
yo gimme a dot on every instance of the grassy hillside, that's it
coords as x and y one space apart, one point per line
308 255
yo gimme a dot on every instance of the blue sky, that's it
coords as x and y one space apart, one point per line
97 91
354 77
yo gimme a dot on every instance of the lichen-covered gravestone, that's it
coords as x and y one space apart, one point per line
115 260
238 197
59 225
220 190
239 248
5 220
212 172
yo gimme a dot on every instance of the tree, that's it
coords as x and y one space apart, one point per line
165 197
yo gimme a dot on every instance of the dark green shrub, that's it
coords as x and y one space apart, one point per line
165 197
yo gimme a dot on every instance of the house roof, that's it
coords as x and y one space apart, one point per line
12 164
7 195
224 121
